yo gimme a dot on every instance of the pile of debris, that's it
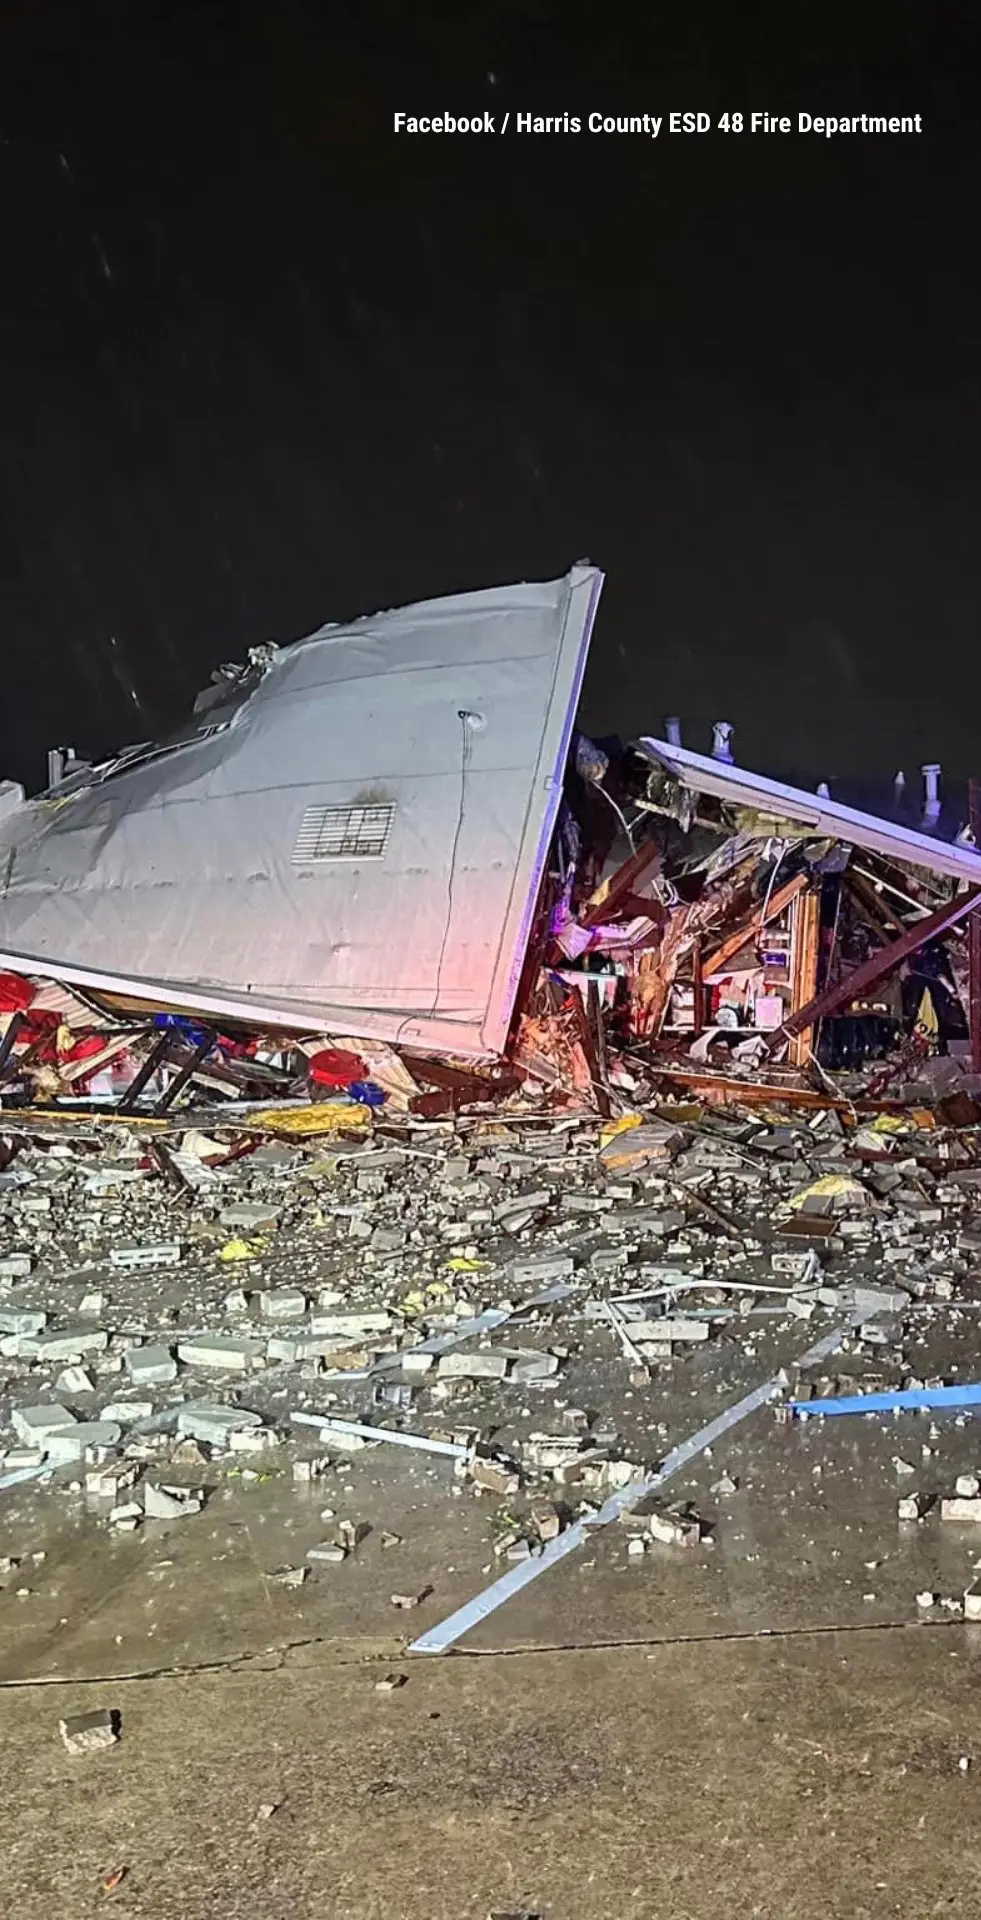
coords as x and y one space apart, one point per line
211 919
760 936
664 1059
498 1290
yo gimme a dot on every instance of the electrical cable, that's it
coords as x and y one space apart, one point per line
611 802
468 722
782 844
471 723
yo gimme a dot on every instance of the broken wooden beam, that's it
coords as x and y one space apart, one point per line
596 1050
874 906
878 964
187 1072
697 988
605 903
116 1044
752 925
155 1058
15 1027
728 1091
804 973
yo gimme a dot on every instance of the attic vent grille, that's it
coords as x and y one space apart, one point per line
344 833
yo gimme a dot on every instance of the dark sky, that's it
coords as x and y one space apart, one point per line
264 364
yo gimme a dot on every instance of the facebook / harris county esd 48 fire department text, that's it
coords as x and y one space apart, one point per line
652 124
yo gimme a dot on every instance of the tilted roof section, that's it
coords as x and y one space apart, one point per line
704 774
357 848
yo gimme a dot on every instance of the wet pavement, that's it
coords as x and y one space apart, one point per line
662 1758
809 1539
763 1723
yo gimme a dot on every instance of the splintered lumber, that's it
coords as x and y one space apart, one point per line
804 977
753 924
871 970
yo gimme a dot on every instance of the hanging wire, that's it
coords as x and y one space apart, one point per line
466 722
623 821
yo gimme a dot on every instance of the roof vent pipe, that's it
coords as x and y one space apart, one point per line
931 802
824 791
721 741
898 789
672 731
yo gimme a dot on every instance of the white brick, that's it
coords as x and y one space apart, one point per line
283 1303
473 1366
160 1504
254 1439
533 1366
124 1412
22 1319
75 1380
165 1254
152 1366
966 1510
109 1481
64 1345
667 1329
214 1425
74 1442
33 1424
222 1352
353 1326
15 1266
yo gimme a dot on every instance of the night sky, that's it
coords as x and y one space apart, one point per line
264 364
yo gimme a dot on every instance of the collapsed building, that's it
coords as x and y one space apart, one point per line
752 925
381 1045
389 844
